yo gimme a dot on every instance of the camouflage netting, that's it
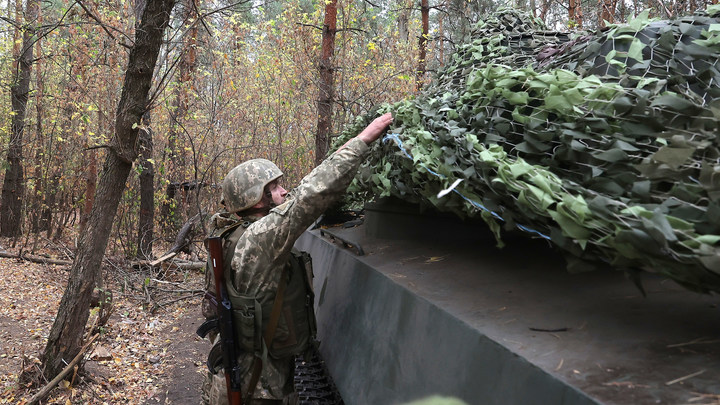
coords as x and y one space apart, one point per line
604 144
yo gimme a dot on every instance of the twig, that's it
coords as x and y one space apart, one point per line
104 26
677 380
698 341
46 389
162 259
178 290
162 304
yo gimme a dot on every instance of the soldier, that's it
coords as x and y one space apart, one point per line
272 220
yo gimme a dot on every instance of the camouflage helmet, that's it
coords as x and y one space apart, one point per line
244 184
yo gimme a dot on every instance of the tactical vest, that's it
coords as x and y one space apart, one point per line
296 327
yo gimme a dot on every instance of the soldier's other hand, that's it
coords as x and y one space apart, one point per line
376 128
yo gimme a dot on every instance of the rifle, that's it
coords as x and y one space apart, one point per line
223 322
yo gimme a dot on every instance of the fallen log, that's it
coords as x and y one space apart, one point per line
35 259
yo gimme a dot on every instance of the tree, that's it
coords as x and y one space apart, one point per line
66 334
403 19
606 12
146 218
35 205
422 43
13 191
575 14
327 89
175 147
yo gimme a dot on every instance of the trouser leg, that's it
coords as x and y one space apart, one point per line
291 399
214 390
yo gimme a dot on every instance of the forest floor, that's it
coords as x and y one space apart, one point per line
141 356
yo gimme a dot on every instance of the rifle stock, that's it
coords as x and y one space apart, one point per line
224 310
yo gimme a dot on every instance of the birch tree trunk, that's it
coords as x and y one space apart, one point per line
403 19
425 17
66 335
327 82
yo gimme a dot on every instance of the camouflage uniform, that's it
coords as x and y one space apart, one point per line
264 249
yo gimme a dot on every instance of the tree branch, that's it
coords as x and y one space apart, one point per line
105 26
46 389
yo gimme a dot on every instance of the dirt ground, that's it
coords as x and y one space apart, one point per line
141 356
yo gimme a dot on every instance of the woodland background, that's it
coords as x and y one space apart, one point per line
233 80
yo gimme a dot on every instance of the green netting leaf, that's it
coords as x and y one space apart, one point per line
559 103
640 21
636 48
708 239
569 227
712 262
673 102
612 155
674 157
661 230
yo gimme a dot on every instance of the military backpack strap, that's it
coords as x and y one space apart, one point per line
269 332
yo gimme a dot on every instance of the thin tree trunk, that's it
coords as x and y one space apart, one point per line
544 9
56 161
575 14
147 191
50 202
425 17
91 176
607 12
65 338
38 185
579 14
13 192
186 68
327 82
90 184
441 33
89 155
403 19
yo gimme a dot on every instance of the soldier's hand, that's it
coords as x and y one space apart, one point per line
376 128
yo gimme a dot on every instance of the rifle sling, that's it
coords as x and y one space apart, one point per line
269 332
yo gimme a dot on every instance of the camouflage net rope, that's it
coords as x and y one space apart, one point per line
605 144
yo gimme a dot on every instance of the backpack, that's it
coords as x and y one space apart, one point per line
296 326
